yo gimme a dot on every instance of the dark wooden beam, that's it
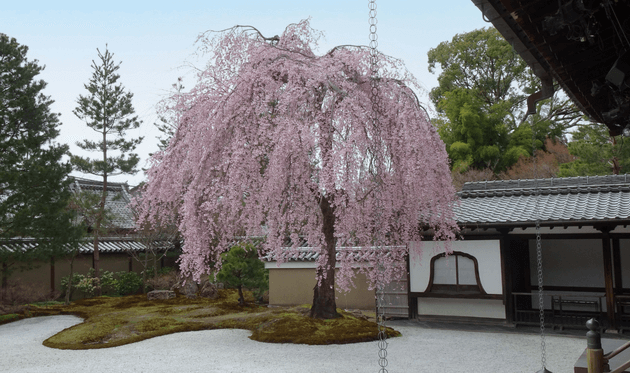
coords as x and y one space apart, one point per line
506 275
608 276
616 252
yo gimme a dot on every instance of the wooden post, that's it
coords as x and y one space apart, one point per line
608 277
617 266
594 351
506 274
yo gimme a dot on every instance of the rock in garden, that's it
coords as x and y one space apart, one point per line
209 290
186 286
160 294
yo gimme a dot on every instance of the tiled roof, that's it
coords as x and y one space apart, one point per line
117 202
561 200
308 254
106 245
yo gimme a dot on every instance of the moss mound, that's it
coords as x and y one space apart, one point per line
111 322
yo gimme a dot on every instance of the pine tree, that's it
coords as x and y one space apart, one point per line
33 179
107 110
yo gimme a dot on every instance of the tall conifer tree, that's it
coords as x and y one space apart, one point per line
107 109
33 179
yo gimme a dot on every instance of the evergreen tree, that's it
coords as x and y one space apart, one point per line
243 269
107 110
597 153
33 179
481 97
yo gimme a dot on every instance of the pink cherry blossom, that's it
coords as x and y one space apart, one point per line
275 140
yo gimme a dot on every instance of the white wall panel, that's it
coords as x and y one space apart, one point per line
487 253
488 308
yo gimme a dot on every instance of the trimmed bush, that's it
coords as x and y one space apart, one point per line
128 283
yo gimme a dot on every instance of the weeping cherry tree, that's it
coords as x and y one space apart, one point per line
276 140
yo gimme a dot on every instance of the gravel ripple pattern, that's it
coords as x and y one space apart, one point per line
418 350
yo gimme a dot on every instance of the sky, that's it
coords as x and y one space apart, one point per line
155 43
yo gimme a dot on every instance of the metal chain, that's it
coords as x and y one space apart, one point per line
375 99
541 304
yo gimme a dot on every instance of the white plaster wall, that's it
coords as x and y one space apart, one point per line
575 262
488 308
487 253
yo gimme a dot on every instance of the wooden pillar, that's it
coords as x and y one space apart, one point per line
52 275
130 263
508 301
608 276
616 252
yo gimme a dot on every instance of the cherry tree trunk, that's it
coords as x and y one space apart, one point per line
324 304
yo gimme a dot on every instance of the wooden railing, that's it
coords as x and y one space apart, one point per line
561 309
596 360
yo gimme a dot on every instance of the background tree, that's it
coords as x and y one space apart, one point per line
107 110
481 100
275 135
33 178
597 152
158 238
243 269
168 118
86 205
547 163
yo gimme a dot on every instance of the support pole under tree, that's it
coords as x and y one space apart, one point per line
5 280
52 275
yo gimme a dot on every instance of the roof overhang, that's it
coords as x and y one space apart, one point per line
579 44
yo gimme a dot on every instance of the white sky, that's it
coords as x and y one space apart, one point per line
155 42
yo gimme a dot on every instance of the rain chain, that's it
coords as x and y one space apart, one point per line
375 99
541 304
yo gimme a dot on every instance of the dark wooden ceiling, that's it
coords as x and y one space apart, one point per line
584 45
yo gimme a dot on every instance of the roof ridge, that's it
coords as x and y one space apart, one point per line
567 182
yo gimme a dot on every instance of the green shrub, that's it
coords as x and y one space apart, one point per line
109 285
243 269
87 283
128 283
76 278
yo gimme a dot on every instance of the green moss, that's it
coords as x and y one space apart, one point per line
9 317
117 321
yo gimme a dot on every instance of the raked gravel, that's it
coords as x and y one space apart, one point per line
418 350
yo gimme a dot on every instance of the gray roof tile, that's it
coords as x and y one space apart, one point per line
560 200
117 200
106 245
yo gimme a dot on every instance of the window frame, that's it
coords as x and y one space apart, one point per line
456 289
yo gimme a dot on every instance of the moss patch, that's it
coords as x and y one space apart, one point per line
117 321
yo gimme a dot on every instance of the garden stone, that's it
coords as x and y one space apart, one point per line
160 294
209 290
186 286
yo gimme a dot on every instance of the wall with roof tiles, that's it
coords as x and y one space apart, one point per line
40 275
